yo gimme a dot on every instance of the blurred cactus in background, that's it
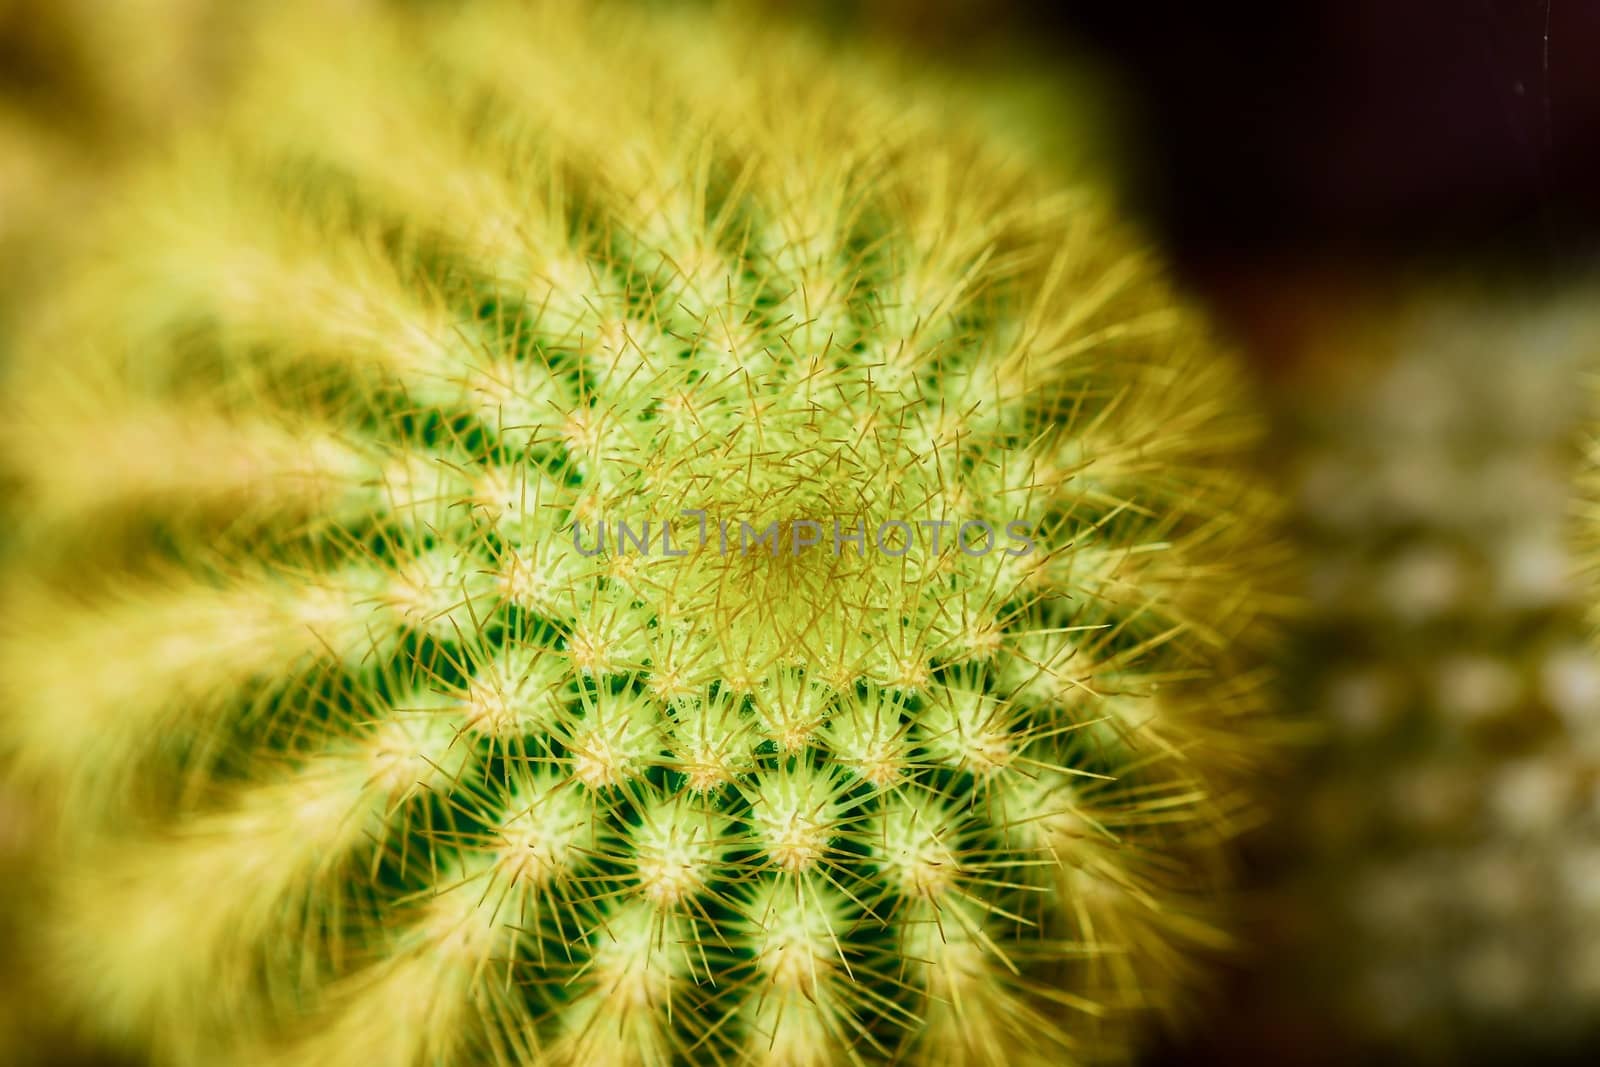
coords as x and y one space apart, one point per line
354 742
1444 839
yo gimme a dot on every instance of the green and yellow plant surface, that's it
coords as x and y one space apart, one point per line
352 748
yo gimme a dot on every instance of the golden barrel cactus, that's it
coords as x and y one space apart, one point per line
552 535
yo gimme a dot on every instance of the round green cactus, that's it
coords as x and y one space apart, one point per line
560 537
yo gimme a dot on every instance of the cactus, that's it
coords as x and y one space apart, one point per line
1437 881
475 594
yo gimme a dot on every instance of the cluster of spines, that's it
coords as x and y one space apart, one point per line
349 732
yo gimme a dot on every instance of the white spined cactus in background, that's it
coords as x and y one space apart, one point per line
1439 899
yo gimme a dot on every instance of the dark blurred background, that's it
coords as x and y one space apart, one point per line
1285 147
1361 126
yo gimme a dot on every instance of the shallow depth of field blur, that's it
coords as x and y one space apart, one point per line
1394 209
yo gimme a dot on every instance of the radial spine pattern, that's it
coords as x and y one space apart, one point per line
592 537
